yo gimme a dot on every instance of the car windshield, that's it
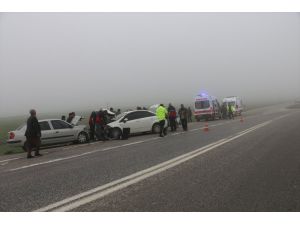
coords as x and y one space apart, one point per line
202 104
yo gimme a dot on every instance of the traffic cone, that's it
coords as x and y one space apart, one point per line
206 127
242 119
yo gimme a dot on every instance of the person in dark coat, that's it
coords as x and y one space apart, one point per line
172 117
189 115
99 125
92 122
71 117
118 112
183 114
33 135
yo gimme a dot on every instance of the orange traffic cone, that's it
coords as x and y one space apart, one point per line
205 128
241 119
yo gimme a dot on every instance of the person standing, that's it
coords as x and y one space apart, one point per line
231 111
71 117
224 111
99 125
92 121
161 114
183 115
33 135
189 115
118 112
172 117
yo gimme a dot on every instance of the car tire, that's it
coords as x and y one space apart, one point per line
155 128
116 133
82 138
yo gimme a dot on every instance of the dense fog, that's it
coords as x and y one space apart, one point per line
76 61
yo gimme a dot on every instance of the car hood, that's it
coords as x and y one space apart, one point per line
82 127
76 120
114 123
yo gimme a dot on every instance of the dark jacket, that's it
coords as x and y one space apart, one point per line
33 129
172 112
183 113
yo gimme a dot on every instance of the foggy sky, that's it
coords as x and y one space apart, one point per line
68 61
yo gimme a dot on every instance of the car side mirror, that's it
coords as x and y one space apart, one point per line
125 120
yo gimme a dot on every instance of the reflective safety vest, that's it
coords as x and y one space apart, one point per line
161 113
232 108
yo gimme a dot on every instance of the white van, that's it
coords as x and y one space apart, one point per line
237 102
206 107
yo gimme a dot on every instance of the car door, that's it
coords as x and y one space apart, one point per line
147 120
132 121
63 131
47 133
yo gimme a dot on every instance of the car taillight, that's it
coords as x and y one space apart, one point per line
11 135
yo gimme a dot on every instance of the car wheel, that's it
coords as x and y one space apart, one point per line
155 128
82 138
116 133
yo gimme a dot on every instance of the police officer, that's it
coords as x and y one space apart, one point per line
231 111
161 114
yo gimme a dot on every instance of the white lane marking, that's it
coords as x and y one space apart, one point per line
177 133
91 152
79 155
101 191
7 160
193 129
132 143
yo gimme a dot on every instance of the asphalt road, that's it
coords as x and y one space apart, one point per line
252 165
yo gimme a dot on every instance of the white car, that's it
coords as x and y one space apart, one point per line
139 121
54 131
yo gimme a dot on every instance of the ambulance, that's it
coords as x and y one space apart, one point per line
236 102
206 107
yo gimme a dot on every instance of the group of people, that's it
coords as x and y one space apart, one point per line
98 124
98 121
228 110
169 115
